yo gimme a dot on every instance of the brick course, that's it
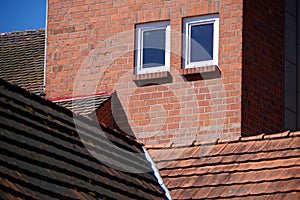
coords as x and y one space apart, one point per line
262 103
90 49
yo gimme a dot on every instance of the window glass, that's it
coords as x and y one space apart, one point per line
201 42
154 44
152 52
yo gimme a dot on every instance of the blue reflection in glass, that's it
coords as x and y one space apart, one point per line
154 42
202 42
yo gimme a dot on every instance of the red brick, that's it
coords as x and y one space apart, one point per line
271 72
92 28
173 126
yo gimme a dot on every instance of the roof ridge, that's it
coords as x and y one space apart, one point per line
263 136
22 31
35 97
66 111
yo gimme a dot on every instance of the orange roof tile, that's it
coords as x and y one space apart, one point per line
266 167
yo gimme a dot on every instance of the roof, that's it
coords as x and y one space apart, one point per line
260 167
84 105
22 58
48 152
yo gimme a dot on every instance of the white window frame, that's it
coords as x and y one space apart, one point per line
188 23
140 29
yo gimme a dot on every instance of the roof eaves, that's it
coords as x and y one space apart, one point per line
263 136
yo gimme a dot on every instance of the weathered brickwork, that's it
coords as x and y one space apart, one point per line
262 104
104 114
91 49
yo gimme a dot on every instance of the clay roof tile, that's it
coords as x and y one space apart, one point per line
265 166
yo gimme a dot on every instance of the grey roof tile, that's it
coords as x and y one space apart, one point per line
47 152
84 105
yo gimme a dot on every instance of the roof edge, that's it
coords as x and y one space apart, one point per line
80 96
58 108
22 31
263 136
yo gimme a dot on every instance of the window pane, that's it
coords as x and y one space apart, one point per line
154 42
202 42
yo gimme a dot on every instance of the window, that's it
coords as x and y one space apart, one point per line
152 47
201 41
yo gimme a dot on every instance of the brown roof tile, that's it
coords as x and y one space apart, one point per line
47 152
294 134
22 59
264 167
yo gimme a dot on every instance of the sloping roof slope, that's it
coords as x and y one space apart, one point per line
45 155
84 105
262 167
22 58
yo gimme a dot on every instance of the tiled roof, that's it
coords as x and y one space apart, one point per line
44 154
261 167
22 58
84 105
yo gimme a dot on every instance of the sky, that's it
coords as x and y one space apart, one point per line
18 15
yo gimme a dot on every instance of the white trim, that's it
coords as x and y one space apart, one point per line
188 23
139 44
45 49
157 175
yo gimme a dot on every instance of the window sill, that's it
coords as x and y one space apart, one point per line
201 73
197 70
155 78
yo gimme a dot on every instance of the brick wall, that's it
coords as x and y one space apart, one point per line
90 49
262 67
104 114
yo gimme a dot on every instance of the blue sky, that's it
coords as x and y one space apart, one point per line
17 15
